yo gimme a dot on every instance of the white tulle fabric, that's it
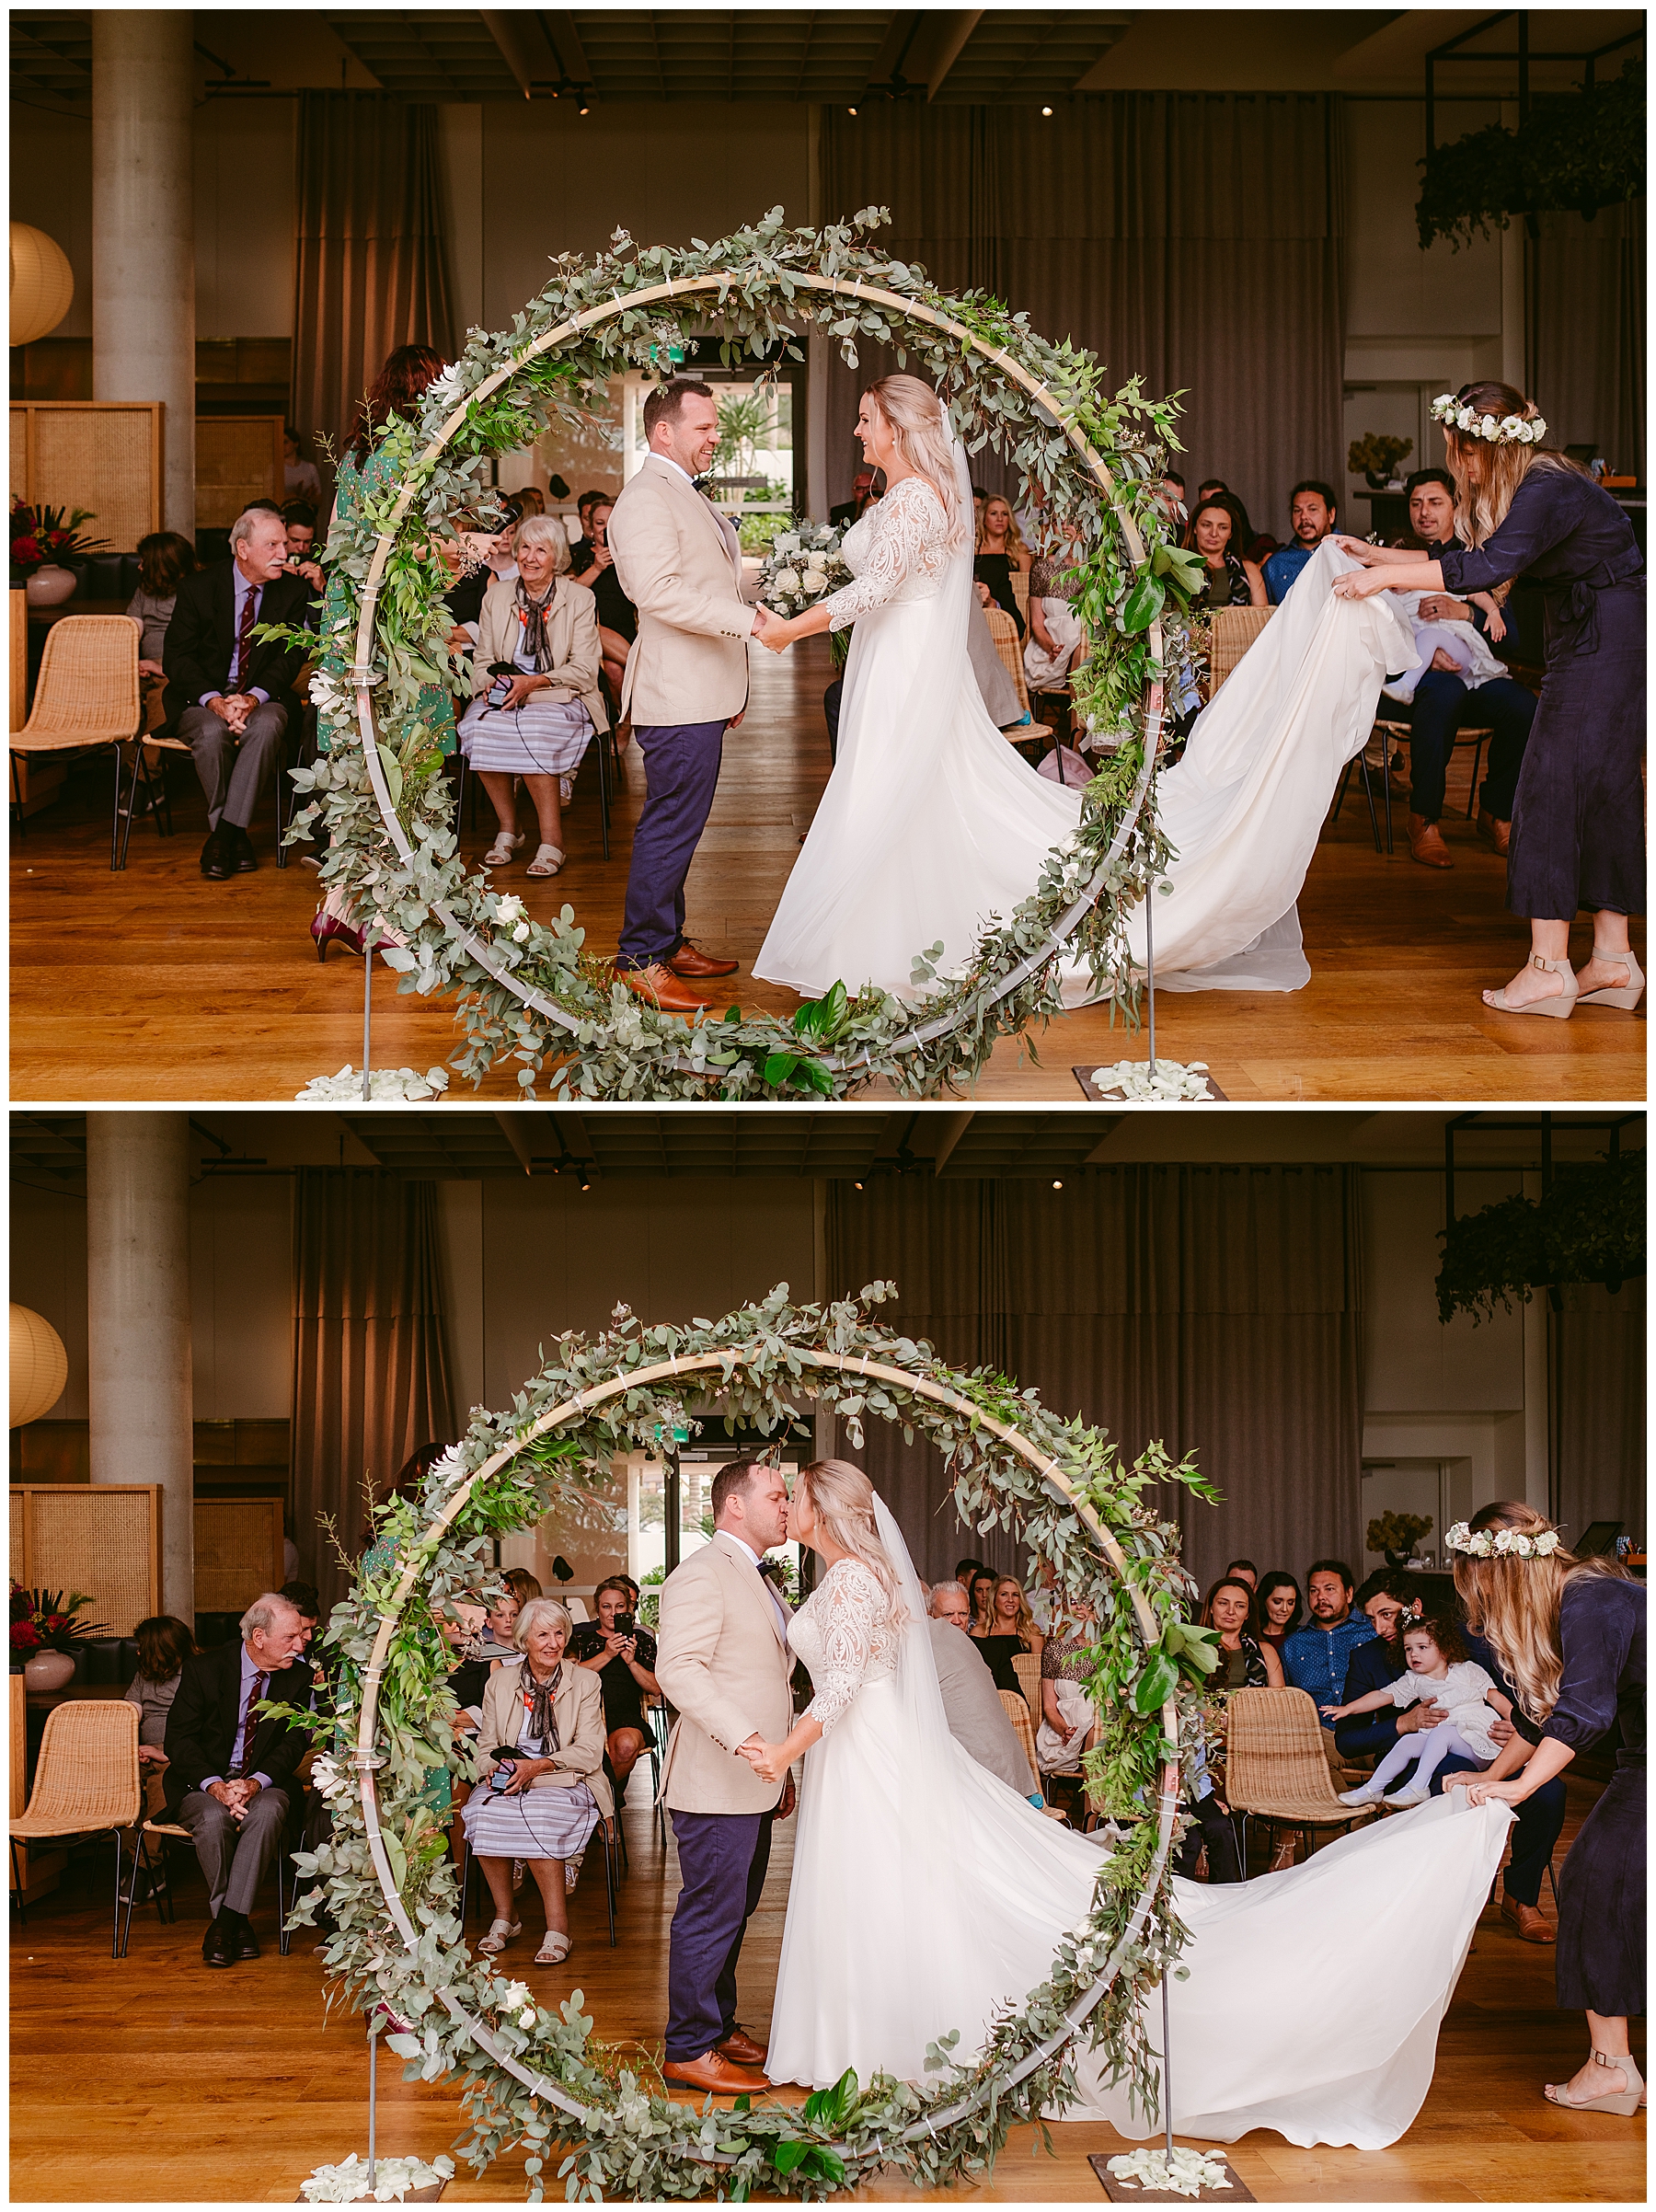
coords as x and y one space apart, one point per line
924 1888
930 821
926 1894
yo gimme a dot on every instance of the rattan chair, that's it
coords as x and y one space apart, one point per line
1009 646
85 1782
87 696
1018 1713
1275 1768
1025 1665
1231 631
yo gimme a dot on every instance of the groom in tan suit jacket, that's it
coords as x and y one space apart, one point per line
680 563
722 1660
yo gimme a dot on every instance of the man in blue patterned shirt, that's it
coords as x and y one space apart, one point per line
1315 1658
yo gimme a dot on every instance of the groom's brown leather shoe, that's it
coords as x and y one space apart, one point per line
1531 1927
740 2047
1426 843
659 986
698 965
710 2072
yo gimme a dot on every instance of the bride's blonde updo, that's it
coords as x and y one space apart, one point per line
842 1497
915 418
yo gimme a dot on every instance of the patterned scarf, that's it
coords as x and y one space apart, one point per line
537 1701
533 614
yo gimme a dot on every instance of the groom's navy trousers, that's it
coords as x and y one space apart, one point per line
722 1862
681 773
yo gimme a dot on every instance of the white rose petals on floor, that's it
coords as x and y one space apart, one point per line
1161 1083
384 1083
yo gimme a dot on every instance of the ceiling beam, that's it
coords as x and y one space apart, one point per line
510 1126
954 1128
558 28
507 31
948 43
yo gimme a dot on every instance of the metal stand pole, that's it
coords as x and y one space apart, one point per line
1150 965
367 1015
373 2088
1166 2073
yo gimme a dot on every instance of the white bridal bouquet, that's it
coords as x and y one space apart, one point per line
802 567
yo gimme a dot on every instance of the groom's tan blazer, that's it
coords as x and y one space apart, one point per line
722 1660
680 563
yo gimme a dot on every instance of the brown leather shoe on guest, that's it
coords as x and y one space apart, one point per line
1426 843
717 2075
740 2047
1531 1927
687 960
659 986
1496 833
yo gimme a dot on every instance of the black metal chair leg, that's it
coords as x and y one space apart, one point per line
1368 793
283 811
160 1891
602 749
117 1948
1477 747
17 797
17 1888
1385 787
115 855
126 835
609 1876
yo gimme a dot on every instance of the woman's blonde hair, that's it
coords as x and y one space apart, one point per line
544 530
1514 1602
1487 475
1015 536
841 1496
917 422
1026 1619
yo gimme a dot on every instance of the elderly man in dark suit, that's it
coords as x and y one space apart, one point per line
229 696
230 1767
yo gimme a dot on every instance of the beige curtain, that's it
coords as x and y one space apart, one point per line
1193 238
371 1371
1598 1442
370 269
1585 284
1215 1309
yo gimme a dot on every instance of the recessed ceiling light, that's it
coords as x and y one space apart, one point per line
1057 1186
1046 111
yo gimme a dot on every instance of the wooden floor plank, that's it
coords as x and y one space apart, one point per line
151 2079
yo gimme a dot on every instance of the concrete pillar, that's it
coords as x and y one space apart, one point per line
139 1395
143 229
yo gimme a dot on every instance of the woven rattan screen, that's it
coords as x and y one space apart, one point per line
238 459
104 1538
238 1551
103 455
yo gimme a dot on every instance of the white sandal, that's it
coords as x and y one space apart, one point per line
1625 996
548 860
555 1948
499 853
1560 1005
501 1933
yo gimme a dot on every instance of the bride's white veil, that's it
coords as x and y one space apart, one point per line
929 1742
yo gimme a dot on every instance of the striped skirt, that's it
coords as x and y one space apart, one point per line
543 737
534 1824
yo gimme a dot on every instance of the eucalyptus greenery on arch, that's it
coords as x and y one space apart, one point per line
594 2118
530 992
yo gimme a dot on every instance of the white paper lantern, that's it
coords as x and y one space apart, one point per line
42 285
40 1365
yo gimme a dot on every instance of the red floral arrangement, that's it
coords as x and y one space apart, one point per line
49 536
45 1620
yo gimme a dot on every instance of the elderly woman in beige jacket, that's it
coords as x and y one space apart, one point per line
536 700
546 1716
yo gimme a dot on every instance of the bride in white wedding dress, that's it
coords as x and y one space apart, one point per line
926 1894
931 822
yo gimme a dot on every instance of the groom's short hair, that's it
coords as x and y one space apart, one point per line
733 1480
663 404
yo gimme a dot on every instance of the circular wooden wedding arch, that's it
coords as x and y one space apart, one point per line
365 1761
362 680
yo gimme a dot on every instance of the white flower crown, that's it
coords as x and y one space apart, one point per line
1510 430
1501 1543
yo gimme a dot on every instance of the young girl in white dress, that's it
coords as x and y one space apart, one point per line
1437 1669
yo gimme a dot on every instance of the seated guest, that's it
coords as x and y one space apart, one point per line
1315 1658
981 1597
1066 1714
1008 1630
229 1768
1311 516
1210 485
1277 1607
1453 691
853 510
536 722
531 500
977 1720
299 519
522 1583
1228 580
545 1719
163 1643
1173 496
1244 1570
1054 627
1000 550
498 1639
165 558
623 1656
490 559
1244 1661
229 697
1436 1668
302 1598
580 546
967 1571
301 480
617 616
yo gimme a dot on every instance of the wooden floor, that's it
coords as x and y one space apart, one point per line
151 2078
154 985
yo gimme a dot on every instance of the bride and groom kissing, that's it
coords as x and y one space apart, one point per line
927 1894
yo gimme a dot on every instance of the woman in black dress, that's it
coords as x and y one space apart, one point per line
1578 822
1570 1637
1244 1661
1007 1632
623 1656
1000 549
1230 579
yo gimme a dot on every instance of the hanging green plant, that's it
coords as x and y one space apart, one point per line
1590 1227
1580 151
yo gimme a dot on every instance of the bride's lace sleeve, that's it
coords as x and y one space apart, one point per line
851 1609
907 540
